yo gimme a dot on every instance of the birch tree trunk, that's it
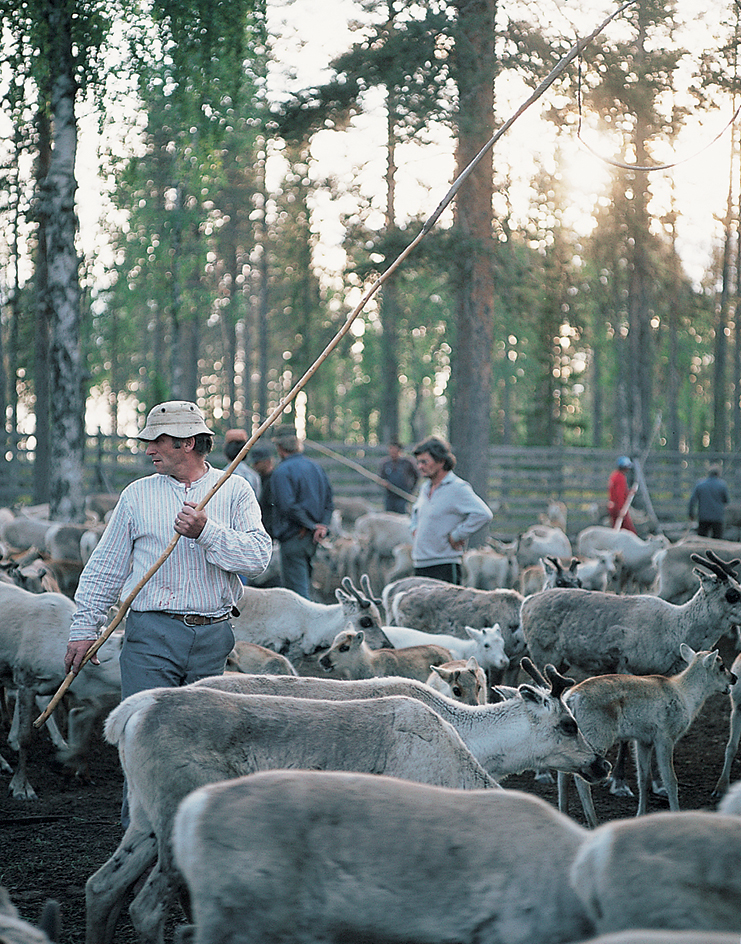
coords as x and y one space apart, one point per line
58 209
42 332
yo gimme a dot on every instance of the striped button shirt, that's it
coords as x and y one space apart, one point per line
199 576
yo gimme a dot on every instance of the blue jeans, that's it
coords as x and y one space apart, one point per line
296 556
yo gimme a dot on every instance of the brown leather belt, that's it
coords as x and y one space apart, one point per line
195 619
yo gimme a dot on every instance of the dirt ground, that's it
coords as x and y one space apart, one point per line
49 847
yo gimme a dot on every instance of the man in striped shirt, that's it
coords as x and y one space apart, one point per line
177 628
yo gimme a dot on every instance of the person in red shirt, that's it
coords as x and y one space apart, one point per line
618 492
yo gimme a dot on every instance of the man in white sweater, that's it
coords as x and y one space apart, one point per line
446 513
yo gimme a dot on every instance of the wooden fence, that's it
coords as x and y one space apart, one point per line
521 484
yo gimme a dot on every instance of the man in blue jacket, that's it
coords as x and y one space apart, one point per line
709 500
302 510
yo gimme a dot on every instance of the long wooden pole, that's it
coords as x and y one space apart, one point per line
557 71
359 468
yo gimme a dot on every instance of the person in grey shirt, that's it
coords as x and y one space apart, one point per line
447 512
708 500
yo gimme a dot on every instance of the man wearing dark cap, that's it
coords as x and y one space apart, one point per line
303 506
177 629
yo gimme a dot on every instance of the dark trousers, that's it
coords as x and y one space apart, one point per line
713 529
450 573
162 652
296 557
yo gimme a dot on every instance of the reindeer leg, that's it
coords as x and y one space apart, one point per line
585 795
643 754
25 703
563 792
618 783
665 761
731 751
106 889
658 787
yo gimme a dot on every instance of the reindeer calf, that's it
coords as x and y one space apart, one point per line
462 680
653 711
350 657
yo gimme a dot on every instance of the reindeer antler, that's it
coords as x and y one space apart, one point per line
533 671
716 565
728 566
365 584
349 587
559 683
556 682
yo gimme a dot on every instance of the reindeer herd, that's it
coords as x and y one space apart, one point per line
345 779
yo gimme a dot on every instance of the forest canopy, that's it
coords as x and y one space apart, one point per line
195 194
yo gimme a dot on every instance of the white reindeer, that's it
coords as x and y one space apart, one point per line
379 859
486 645
674 871
172 740
532 728
297 628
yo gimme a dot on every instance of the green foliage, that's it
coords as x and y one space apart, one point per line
574 330
406 53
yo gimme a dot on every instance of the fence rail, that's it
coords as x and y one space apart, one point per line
522 480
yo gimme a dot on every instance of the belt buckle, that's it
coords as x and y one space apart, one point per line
193 619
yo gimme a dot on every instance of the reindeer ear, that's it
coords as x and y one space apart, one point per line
531 694
445 674
687 652
359 637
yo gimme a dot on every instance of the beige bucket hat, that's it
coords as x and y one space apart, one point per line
179 418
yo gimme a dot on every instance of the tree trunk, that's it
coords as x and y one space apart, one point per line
263 291
42 330
720 394
389 426
472 368
177 365
58 210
